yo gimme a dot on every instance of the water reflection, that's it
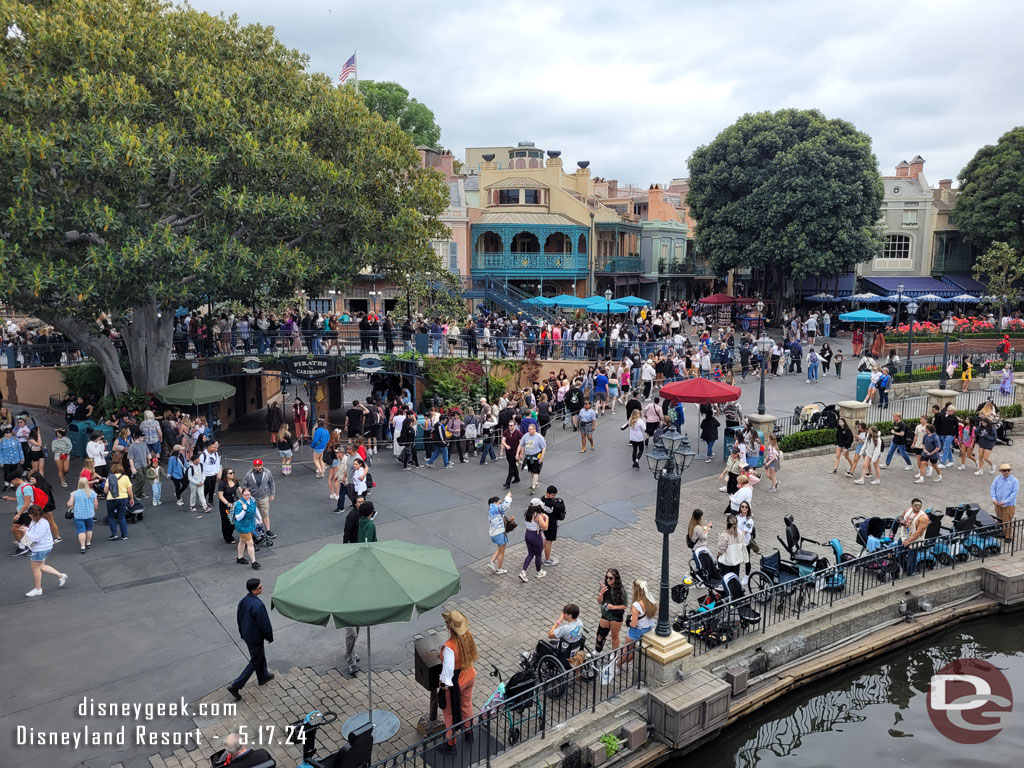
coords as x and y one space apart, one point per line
876 714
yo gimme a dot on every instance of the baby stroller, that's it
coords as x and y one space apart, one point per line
260 538
883 529
739 606
515 697
817 415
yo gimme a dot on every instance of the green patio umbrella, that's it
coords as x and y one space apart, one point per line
361 585
195 392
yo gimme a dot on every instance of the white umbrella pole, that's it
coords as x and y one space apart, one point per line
369 676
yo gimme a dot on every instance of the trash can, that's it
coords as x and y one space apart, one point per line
863 382
422 341
78 433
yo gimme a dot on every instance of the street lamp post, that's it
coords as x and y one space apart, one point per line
408 292
764 347
911 312
948 326
608 323
667 463
486 364
899 302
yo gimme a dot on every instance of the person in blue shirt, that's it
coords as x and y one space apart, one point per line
1004 498
601 390
12 456
320 439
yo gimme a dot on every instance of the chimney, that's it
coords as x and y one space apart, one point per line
446 164
916 166
655 195
613 187
903 169
945 183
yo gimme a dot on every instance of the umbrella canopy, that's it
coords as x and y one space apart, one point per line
899 298
932 297
602 307
632 301
865 316
717 298
359 585
568 302
540 301
700 391
965 298
195 392
821 297
865 297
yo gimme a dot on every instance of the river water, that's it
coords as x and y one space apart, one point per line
875 714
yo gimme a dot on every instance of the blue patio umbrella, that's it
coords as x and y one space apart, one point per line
965 298
865 316
821 297
900 298
602 307
632 301
540 301
568 302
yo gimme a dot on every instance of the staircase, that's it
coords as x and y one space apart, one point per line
509 298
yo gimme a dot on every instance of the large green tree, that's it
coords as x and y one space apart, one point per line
156 157
392 102
990 204
790 192
1002 268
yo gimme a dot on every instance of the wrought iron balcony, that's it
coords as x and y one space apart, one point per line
512 263
684 268
619 264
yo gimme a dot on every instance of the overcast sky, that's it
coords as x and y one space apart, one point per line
635 86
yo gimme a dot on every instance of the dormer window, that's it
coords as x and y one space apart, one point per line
531 196
508 197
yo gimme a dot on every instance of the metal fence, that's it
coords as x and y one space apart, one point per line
504 723
770 602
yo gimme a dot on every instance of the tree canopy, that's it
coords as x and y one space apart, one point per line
791 192
392 102
159 157
990 203
1002 268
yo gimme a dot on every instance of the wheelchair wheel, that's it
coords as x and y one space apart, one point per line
513 735
757 584
548 669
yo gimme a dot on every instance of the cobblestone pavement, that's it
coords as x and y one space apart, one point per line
509 615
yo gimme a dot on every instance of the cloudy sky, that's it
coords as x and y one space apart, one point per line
635 86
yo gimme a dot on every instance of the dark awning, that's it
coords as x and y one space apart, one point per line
913 286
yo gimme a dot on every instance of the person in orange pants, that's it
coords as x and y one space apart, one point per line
458 655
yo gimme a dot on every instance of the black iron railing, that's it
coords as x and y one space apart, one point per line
770 602
504 722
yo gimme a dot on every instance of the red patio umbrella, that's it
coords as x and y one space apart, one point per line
717 298
700 391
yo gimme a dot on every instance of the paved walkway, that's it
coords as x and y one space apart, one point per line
151 620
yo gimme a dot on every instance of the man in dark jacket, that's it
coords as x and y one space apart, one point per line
555 509
255 629
947 427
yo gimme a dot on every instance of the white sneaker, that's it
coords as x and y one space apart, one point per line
908 468
501 570
541 573
876 481
34 593
724 489
493 566
523 577
156 503
860 481
63 580
937 479
960 468
180 503
980 472
919 480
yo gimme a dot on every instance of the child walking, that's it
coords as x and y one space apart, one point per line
154 473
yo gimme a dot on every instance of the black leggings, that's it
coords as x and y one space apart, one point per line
638 449
180 486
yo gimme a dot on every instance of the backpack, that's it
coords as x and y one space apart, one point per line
470 431
43 499
111 486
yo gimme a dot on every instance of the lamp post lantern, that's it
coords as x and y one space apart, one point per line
948 326
608 323
911 312
667 463
486 365
764 347
899 302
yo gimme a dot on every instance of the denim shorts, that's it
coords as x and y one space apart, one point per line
635 633
38 557
83 524
500 539
284 454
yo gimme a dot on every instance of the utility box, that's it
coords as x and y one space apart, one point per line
427 663
690 709
737 678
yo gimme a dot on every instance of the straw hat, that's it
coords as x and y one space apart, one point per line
1003 466
456 622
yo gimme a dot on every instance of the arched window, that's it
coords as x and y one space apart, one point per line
489 242
581 244
525 242
896 247
557 242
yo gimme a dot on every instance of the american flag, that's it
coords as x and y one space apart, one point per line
348 70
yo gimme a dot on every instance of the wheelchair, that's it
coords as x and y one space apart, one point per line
551 660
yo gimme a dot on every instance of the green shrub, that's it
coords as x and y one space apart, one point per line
86 380
810 439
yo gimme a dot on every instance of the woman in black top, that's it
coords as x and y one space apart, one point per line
826 357
844 440
709 434
612 599
227 495
543 414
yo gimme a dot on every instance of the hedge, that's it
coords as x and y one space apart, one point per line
926 337
814 438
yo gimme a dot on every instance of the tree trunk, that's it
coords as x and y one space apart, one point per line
99 347
149 340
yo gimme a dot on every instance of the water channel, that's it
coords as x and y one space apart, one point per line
875 714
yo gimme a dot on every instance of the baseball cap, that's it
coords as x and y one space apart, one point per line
257 462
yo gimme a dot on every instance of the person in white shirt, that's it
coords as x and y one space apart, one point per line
210 461
39 539
96 449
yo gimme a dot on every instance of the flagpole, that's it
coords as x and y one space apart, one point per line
355 59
